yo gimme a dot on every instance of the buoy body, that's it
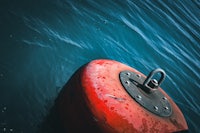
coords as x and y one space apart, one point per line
94 100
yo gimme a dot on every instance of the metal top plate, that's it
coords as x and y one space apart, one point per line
153 101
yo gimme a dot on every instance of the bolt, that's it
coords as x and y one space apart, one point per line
155 81
138 75
166 108
128 74
156 108
139 97
164 98
127 82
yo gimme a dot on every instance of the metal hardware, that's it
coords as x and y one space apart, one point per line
146 91
153 83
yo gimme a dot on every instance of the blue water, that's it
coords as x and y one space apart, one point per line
43 42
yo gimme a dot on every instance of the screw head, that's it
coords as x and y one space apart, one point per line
128 74
139 97
166 108
138 75
156 108
164 98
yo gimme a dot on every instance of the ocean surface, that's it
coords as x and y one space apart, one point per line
43 42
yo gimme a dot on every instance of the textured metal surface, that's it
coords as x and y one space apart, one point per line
154 100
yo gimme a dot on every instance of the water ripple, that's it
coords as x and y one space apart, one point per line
39 26
62 35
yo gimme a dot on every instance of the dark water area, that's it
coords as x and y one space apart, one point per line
43 42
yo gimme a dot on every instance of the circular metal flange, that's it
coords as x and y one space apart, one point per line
154 100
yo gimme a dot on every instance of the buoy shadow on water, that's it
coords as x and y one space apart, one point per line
51 123
54 122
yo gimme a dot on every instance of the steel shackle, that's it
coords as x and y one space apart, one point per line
153 83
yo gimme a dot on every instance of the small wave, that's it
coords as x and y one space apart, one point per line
40 27
36 43
134 28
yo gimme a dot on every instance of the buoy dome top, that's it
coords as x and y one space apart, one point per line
114 109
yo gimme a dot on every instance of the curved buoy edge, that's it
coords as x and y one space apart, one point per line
96 99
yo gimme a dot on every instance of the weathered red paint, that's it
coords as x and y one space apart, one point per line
95 100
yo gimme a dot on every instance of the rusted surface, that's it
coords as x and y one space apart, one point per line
108 107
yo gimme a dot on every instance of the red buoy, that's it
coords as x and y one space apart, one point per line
110 97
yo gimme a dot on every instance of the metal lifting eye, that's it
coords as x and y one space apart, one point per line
153 83
144 90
